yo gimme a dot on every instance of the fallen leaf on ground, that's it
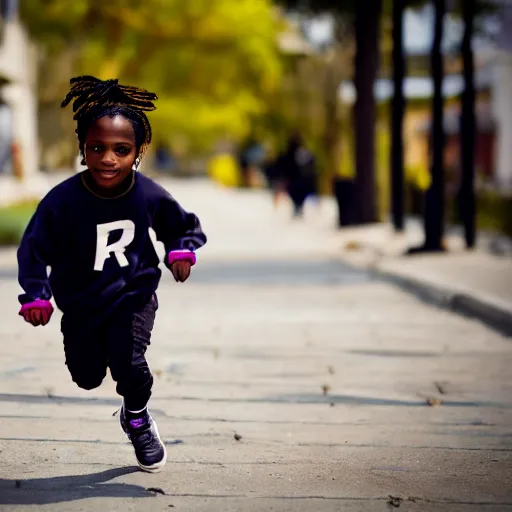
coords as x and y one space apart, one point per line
353 245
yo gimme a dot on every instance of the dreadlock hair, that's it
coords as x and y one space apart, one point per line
95 98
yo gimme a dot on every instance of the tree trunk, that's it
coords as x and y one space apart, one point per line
366 62
397 118
434 200
467 202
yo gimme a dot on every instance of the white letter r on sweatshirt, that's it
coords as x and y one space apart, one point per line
103 250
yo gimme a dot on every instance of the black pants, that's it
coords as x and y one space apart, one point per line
120 344
299 189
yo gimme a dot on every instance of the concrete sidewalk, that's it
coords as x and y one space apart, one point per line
476 283
285 380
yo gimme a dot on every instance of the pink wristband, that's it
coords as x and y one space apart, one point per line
174 256
44 305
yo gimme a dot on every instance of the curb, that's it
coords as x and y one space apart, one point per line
493 315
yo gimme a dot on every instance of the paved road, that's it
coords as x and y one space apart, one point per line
325 374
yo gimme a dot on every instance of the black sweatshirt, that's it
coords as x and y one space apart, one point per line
101 251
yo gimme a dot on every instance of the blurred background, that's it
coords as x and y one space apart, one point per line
395 109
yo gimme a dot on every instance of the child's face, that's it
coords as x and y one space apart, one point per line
110 150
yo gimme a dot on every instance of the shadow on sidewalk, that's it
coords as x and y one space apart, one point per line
76 400
306 398
45 399
45 491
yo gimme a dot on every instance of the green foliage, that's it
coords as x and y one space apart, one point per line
14 220
53 22
213 64
494 212
382 169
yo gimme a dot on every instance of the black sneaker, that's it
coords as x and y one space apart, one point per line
143 434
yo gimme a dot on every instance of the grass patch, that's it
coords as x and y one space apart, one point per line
13 221
495 213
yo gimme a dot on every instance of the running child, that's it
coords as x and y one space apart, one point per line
98 231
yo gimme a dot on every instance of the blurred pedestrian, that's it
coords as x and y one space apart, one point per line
272 169
250 160
297 167
164 161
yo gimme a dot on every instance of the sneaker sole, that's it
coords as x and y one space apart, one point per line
158 466
155 468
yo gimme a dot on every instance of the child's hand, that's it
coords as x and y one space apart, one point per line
181 270
37 313
180 262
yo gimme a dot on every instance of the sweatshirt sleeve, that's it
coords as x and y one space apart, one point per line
34 255
176 228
